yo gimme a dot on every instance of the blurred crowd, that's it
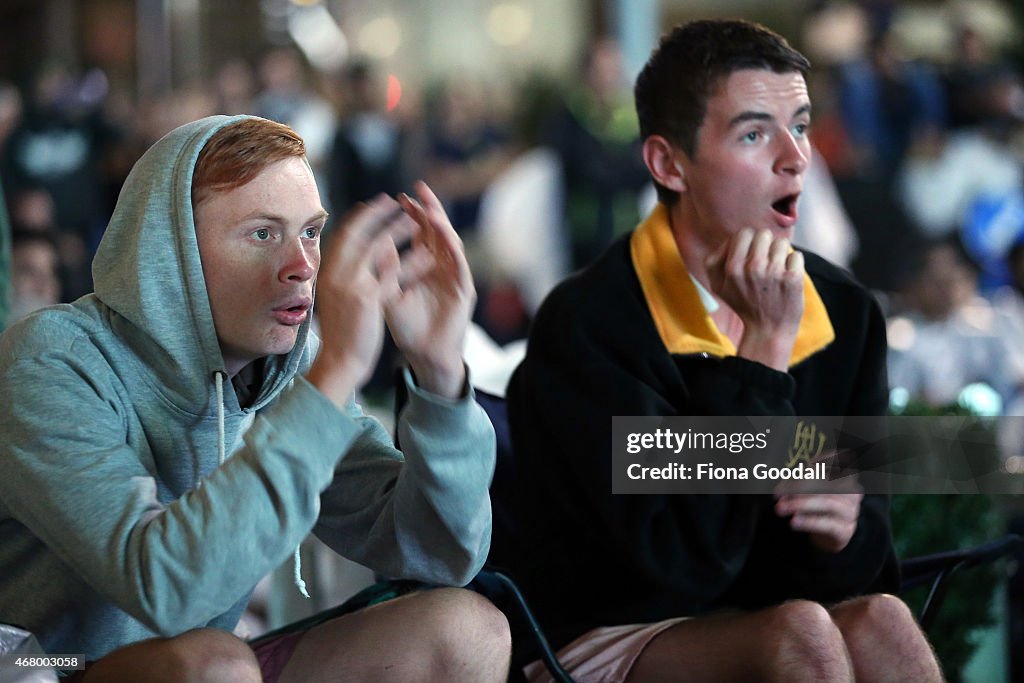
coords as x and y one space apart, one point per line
917 185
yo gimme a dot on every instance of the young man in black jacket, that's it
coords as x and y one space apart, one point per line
705 309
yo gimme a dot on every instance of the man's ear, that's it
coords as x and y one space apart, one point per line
660 158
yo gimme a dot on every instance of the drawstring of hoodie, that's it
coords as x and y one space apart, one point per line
222 454
221 451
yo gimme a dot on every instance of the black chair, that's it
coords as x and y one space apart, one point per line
938 569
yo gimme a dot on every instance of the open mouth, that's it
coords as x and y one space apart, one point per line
293 312
296 305
786 206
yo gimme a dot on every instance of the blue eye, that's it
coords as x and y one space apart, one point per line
800 129
261 234
312 233
752 136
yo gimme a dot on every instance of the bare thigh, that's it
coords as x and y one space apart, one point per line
793 641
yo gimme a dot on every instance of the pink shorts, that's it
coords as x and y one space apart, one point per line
273 654
603 655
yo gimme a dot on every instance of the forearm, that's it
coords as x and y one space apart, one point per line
335 376
427 517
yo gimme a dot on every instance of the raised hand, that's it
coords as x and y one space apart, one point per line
829 518
355 279
761 279
431 297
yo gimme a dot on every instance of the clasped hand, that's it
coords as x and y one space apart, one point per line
424 294
830 519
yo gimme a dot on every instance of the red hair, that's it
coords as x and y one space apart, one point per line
239 152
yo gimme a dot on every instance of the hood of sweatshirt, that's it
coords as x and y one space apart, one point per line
147 270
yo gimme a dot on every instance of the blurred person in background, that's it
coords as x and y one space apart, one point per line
946 336
976 62
234 86
878 103
33 210
61 145
887 102
594 132
10 112
369 155
287 95
940 182
1008 301
35 273
467 149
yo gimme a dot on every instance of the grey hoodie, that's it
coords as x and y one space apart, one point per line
117 522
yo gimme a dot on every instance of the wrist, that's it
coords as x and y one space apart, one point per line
768 348
445 378
336 379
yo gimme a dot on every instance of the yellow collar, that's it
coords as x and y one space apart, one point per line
682 321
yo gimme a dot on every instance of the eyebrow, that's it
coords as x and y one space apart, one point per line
762 116
275 218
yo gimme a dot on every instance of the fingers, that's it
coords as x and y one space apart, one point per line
760 247
443 240
738 253
756 253
778 252
389 267
813 512
795 263
838 531
364 233
829 519
365 249
846 505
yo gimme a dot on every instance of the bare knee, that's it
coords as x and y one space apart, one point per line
874 616
469 634
194 657
882 635
209 655
807 644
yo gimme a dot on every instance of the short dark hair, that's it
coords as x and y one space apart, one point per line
690 61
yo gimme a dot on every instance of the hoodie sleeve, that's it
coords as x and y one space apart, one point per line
71 478
422 513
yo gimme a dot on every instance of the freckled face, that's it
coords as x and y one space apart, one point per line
752 152
260 249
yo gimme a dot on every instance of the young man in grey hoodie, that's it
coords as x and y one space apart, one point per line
172 437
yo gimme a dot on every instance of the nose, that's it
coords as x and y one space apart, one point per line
793 156
301 262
